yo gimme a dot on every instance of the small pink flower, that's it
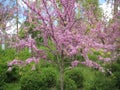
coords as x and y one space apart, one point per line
29 60
107 59
74 63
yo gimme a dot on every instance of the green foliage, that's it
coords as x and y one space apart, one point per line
45 77
3 68
46 64
23 54
69 84
94 4
12 86
12 76
115 66
115 69
75 75
21 33
8 76
43 80
116 80
101 82
2 80
7 55
30 81
49 77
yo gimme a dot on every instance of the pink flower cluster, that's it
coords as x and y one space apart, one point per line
93 64
90 63
72 36
104 59
32 59
17 63
75 63
26 43
23 63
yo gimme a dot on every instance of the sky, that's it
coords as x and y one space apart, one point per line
107 9
101 1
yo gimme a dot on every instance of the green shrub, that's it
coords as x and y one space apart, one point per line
43 80
75 75
3 69
100 82
117 80
115 69
49 77
68 84
46 64
7 55
30 81
2 80
12 76
23 54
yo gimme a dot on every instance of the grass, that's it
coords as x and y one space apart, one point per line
12 86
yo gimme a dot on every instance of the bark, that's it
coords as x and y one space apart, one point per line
115 7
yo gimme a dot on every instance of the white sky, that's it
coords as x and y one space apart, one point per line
12 27
22 3
107 10
12 23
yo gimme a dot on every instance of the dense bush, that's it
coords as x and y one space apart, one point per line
115 69
68 84
23 54
46 64
7 55
12 76
2 80
3 68
117 80
31 81
75 75
43 80
100 82
49 77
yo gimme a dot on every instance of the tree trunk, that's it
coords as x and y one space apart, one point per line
3 41
115 7
62 76
17 16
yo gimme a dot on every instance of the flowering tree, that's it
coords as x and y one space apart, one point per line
70 35
6 14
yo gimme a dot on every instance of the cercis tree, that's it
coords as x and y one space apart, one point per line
72 36
6 15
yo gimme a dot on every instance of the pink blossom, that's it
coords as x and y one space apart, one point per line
107 59
74 63
16 62
32 59
73 36
90 63
29 60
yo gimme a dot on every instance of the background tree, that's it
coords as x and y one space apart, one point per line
6 15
